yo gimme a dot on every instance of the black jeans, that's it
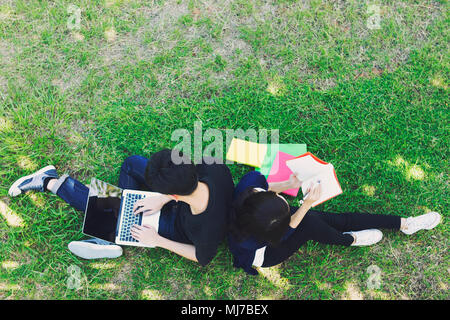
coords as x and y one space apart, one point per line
327 228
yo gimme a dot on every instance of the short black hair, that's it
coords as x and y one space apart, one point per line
164 176
261 215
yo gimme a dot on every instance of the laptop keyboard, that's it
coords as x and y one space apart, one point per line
128 218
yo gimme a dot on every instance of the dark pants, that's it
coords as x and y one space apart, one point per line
327 228
132 176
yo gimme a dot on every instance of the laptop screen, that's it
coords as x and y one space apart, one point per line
102 211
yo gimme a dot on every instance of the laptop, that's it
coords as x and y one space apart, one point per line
109 213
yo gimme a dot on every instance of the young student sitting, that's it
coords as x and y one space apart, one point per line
265 230
195 202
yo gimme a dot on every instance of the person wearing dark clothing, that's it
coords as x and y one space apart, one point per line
194 203
265 230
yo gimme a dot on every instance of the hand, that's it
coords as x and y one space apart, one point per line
146 235
150 205
294 182
313 194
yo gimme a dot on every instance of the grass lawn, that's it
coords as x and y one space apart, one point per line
372 101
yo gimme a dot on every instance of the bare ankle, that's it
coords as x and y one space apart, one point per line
402 223
51 183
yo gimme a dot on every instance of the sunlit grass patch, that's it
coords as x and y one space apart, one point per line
110 34
10 265
5 124
103 265
410 171
369 190
105 286
439 81
6 286
352 292
37 199
12 218
273 275
26 163
276 87
149 294
415 172
6 12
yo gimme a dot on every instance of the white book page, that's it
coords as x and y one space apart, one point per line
305 167
329 185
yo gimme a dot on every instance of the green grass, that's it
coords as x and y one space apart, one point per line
372 102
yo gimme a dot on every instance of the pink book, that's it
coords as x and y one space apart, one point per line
280 172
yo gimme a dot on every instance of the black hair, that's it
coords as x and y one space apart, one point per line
261 215
164 176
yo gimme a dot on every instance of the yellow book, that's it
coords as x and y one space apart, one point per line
246 152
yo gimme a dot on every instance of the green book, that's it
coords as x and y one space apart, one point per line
293 149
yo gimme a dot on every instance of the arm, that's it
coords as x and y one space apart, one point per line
149 236
297 217
281 186
312 197
150 205
182 249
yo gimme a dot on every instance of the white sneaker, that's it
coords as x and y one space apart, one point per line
91 249
366 237
426 221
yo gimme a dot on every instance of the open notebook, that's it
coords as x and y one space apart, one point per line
311 170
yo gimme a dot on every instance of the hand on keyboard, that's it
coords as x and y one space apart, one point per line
146 235
150 205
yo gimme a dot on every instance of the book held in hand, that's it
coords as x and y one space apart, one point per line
276 156
274 165
311 170
280 172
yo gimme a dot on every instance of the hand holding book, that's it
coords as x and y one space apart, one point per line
313 194
311 171
281 186
294 182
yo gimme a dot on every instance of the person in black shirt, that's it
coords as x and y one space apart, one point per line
195 202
